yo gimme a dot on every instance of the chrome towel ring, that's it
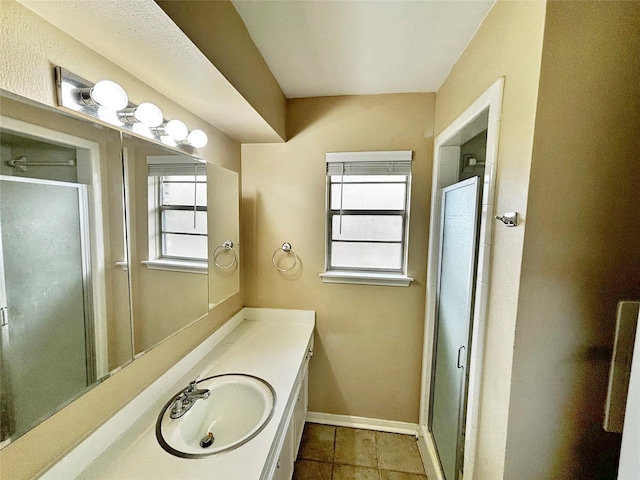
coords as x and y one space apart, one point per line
226 246
286 248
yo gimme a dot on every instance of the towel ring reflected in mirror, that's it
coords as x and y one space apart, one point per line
286 248
225 247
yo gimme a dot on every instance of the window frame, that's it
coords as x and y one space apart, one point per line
368 275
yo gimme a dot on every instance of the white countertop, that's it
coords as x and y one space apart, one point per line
270 344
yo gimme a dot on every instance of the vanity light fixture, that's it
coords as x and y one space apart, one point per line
146 113
108 102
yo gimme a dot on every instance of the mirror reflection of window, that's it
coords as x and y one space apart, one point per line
170 241
182 212
177 204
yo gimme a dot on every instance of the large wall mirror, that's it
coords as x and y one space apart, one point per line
224 234
106 243
166 194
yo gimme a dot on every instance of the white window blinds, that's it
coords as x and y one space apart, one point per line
174 165
369 163
367 211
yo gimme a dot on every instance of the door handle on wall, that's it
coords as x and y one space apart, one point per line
460 350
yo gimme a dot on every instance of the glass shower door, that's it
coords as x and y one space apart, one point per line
454 307
47 348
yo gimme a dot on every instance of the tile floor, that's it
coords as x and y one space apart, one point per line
339 453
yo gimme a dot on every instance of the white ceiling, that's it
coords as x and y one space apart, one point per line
323 48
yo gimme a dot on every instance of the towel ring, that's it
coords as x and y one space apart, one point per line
286 247
226 246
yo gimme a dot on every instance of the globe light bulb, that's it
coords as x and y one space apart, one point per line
197 138
109 94
148 114
176 129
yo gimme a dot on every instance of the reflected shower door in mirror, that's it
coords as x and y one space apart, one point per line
224 234
168 264
64 301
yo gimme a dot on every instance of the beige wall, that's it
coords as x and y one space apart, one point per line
219 32
369 338
509 44
582 243
30 49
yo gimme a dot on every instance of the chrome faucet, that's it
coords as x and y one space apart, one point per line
187 398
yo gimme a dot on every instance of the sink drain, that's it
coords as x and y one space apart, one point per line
207 440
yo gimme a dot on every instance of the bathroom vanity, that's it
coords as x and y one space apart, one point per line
270 344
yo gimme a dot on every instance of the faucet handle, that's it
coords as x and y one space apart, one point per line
192 385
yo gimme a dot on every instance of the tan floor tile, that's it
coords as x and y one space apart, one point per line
398 453
351 472
312 470
390 475
317 442
356 447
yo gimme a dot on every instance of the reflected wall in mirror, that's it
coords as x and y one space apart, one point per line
167 198
65 303
224 234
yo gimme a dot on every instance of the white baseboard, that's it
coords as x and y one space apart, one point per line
363 422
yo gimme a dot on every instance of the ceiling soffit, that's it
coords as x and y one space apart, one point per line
140 38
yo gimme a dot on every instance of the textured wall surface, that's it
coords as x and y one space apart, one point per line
581 248
509 44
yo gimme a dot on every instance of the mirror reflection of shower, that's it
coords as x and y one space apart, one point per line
22 164
50 333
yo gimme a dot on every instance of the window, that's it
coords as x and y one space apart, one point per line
368 217
177 215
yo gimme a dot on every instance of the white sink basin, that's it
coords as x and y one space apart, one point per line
238 408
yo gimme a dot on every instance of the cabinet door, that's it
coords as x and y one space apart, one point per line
284 468
300 413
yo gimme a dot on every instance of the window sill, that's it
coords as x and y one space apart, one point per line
362 278
177 265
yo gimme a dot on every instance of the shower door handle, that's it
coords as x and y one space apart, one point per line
460 350
4 316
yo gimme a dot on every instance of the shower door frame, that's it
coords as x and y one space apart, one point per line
87 273
89 174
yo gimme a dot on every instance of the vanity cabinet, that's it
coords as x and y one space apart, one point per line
294 422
